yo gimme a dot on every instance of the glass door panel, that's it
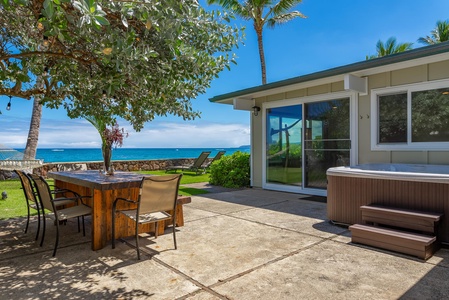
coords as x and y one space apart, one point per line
327 139
284 145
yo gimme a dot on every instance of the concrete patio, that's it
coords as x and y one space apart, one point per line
237 244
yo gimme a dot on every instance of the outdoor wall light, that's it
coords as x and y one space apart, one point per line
8 106
256 110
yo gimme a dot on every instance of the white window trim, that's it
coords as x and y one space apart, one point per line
408 146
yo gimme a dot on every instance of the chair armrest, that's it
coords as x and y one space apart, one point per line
114 205
125 199
74 199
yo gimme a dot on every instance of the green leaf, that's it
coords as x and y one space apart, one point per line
48 8
102 20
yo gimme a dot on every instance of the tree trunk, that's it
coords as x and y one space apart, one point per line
33 133
261 55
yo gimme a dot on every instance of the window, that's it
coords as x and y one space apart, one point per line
415 117
392 118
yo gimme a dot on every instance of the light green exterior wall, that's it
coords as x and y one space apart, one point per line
418 74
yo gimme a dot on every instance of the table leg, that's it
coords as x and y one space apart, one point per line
99 232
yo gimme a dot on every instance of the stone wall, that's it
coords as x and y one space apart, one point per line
128 165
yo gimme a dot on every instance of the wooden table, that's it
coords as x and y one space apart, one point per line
104 190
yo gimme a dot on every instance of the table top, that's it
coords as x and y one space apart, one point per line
97 180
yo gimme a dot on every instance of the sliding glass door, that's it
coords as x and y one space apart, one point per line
284 141
303 141
327 140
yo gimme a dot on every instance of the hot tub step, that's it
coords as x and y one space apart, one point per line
422 246
403 218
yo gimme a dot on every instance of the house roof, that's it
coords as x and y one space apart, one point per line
396 61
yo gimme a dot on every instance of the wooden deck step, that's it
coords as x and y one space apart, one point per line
403 218
419 245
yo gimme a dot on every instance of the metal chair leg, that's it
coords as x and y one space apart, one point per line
43 230
174 234
137 240
57 239
113 227
38 224
28 219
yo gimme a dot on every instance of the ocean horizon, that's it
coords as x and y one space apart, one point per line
55 155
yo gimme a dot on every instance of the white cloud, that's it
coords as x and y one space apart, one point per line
185 135
81 134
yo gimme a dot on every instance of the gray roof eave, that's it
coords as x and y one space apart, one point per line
351 68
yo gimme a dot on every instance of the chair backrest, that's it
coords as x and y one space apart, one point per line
43 191
27 186
158 193
201 159
219 155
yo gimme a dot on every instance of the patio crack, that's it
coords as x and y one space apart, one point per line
280 258
182 274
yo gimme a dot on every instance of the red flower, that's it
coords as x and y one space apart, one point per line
114 136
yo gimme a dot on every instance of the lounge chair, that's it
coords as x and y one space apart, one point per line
197 166
217 157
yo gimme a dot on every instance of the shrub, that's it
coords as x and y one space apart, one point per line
231 171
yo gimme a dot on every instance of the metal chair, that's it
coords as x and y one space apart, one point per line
30 198
47 202
157 196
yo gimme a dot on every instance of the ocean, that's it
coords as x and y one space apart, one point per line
94 154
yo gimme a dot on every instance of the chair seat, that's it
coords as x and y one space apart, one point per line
179 167
73 212
146 218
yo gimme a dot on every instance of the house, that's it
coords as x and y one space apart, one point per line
393 109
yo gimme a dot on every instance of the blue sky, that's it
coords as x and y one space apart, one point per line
336 33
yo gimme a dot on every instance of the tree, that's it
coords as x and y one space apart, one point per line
110 59
262 13
390 47
438 35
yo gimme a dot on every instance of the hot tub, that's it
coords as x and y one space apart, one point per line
410 186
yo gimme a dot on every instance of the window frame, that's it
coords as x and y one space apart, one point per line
409 145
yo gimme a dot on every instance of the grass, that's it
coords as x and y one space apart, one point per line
15 206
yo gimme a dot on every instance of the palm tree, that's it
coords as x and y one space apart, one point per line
438 35
262 12
390 47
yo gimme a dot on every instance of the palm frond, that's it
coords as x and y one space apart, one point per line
426 40
283 6
438 35
284 18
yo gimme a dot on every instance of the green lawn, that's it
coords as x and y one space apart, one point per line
15 206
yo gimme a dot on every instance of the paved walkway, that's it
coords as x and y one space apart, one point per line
239 244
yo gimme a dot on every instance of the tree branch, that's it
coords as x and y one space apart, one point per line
50 54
